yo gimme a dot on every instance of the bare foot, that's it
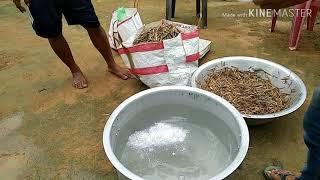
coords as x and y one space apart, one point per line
276 175
119 71
79 81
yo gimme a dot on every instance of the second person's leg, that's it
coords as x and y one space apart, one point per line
312 138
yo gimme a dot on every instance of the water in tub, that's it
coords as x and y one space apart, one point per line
179 144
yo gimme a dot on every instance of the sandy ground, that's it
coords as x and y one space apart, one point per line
49 130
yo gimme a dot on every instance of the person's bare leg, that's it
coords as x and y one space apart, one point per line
62 50
100 41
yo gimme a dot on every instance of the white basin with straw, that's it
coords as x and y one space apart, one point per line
279 75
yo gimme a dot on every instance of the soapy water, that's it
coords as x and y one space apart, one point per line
161 134
175 149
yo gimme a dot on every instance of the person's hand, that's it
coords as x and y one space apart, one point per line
277 4
19 6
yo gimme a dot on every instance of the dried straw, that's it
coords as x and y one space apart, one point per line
157 34
248 92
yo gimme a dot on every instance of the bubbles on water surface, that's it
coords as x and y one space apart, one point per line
161 134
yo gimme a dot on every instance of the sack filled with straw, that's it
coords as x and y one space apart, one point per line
158 33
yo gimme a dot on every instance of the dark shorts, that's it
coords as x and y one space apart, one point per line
47 15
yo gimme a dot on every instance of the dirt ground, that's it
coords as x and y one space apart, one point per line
49 130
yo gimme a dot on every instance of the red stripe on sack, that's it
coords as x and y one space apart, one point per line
150 70
127 19
142 48
123 51
193 57
190 35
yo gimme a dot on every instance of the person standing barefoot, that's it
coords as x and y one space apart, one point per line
47 16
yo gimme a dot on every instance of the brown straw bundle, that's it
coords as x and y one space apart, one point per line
248 92
157 34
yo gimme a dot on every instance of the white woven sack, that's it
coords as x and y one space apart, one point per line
121 31
169 62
